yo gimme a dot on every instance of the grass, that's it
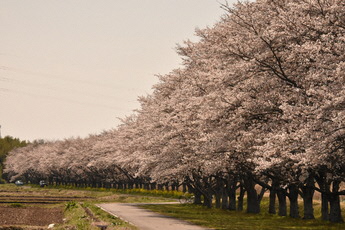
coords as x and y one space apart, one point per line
114 222
74 212
16 205
224 219
77 218
156 193
97 194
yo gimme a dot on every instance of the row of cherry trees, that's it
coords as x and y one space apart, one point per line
259 103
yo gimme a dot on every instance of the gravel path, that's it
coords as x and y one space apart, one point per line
146 220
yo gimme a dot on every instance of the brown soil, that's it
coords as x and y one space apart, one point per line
38 199
33 216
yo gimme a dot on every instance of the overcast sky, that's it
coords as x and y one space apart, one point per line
71 67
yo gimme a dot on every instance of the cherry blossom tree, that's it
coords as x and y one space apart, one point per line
259 101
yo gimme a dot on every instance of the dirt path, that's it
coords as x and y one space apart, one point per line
146 220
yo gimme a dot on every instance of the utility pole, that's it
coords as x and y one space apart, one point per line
0 131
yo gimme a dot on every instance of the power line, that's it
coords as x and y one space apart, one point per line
17 82
59 77
61 99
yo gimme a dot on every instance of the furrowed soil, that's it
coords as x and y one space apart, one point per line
32 216
33 208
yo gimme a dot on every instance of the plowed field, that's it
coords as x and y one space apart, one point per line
32 216
24 207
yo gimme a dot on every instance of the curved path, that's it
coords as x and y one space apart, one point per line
146 220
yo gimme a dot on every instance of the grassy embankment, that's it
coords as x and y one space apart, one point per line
79 200
77 218
224 219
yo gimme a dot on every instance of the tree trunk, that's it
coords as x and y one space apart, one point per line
120 185
240 199
325 190
272 204
153 186
308 205
334 201
146 186
184 188
282 210
253 205
293 198
324 206
335 209
207 200
308 193
225 204
197 197
219 190
218 196
232 198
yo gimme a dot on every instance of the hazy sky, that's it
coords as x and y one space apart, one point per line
71 67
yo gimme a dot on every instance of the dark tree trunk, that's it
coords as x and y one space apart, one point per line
335 209
219 190
147 186
308 205
225 203
218 196
272 204
240 199
324 206
282 210
232 198
334 201
184 188
325 190
153 186
207 200
293 198
120 185
308 194
197 197
253 205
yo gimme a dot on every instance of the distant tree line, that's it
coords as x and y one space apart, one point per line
7 144
258 106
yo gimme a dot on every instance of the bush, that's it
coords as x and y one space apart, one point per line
16 205
70 205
